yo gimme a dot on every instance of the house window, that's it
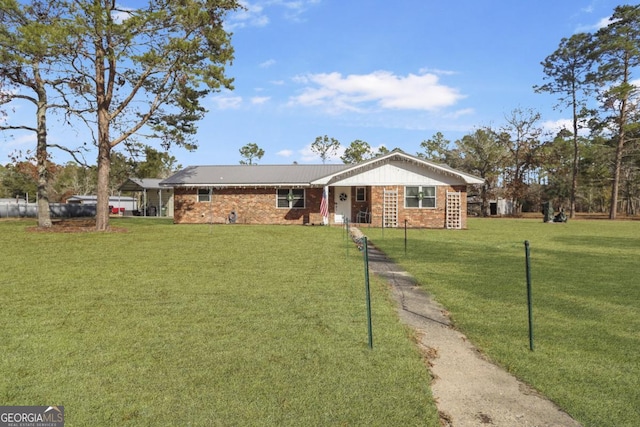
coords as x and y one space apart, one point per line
204 195
420 197
290 198
361 194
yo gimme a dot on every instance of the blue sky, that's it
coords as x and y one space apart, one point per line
390 73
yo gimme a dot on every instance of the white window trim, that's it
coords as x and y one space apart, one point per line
364 194
208 195
290 205
421 189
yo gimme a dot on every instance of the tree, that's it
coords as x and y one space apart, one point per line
557 167
357 152
19 180
74 178
481 153
617 54
435 149
249 152
156 164
521 136
382 150
31 39
325 147
595 175
145 69
567 70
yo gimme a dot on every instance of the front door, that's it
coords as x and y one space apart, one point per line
342 202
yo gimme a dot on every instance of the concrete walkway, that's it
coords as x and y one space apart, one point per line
468 389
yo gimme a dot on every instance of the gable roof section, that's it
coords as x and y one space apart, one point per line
140 184
303 175
250 175
397 157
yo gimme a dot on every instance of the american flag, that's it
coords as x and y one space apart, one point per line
324 203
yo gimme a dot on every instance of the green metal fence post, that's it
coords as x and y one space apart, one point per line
348 237
529 301
405 236
367 290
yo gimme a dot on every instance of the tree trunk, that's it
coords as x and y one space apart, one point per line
103 100
615 186
42 159
484 195
576 162
44 215
617 164
104 170
574 181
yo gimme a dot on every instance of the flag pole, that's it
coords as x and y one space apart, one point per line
324 205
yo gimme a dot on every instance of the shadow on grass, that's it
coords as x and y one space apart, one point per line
599 241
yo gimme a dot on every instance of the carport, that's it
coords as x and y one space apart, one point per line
154 200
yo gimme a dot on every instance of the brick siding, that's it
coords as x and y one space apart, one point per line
258 206
417 217
251 205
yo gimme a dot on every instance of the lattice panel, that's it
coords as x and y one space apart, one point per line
454 210
390 200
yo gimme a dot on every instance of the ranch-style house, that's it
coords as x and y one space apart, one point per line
384 191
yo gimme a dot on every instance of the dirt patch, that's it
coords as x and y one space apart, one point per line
75 225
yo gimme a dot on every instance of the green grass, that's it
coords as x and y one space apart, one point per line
202 326
586 304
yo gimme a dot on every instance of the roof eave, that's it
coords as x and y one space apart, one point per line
239 185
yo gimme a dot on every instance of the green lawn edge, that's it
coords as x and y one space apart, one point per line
585 292
202 325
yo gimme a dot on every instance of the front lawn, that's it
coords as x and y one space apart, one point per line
586 304
202 325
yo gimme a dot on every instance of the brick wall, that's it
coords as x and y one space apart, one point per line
258 206
252 206
417 217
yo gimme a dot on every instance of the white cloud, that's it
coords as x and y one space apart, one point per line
308 156
294 8
603 22
285 153
255 14
28 139
377 148
382 89
121 14
555 126
252 15
227 102
259 100
438 71
268 63
23 144
459 113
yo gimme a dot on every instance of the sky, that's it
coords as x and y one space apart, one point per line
390 73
